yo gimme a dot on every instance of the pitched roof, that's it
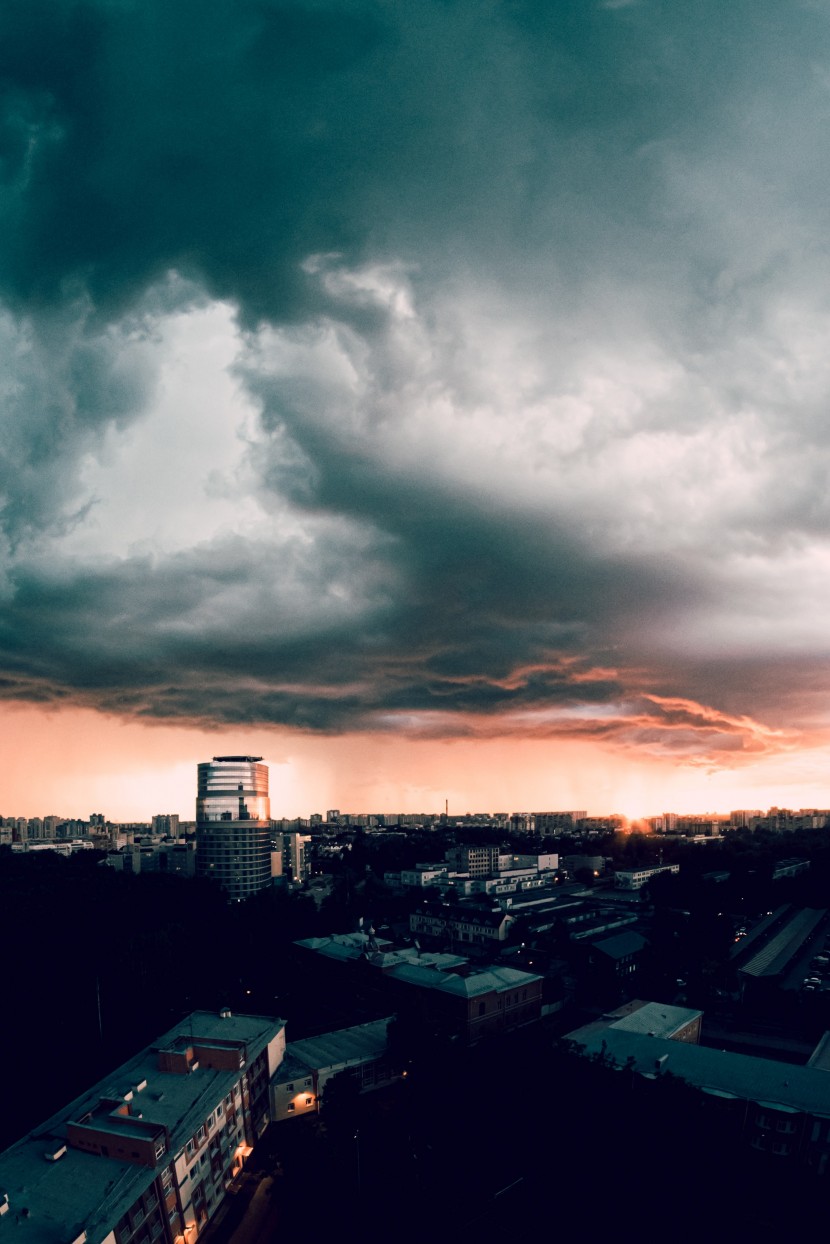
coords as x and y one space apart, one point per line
345 1045
472 985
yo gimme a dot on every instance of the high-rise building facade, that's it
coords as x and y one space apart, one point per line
297 856
166 823
233 824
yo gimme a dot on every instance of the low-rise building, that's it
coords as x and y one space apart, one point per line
446 989
473 926
777 1108
613 962
467 1003
790 868
636 878
768 958
298 1087
423 875
654 1019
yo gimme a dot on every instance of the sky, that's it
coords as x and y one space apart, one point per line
430 398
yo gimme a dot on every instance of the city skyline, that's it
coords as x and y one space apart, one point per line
125 797
431 399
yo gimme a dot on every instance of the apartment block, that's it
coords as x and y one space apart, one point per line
148 1153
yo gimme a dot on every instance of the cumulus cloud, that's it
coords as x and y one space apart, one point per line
451 370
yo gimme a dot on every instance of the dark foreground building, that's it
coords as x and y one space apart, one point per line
148 1153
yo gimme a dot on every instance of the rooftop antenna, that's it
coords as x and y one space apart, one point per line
446 807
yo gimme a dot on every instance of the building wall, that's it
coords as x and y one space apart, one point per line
690 1033
635 879
294 1098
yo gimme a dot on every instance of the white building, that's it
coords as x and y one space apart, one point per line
635 879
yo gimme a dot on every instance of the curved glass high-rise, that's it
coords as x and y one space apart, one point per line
233 824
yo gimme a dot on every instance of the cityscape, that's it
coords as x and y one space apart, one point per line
414 582
352 966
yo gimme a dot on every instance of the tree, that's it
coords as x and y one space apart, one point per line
340 1104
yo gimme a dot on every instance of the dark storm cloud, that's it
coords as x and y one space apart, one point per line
234 141
640 184
213 635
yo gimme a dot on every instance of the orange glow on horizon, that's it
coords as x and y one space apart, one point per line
71 762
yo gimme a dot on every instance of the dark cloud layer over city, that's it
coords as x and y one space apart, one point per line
522 315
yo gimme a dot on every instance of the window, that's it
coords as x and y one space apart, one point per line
291 1107
190 1146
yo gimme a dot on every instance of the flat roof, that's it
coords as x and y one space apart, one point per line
79 1191
621 944
762 1080
82 1190
657 1018
650 1018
